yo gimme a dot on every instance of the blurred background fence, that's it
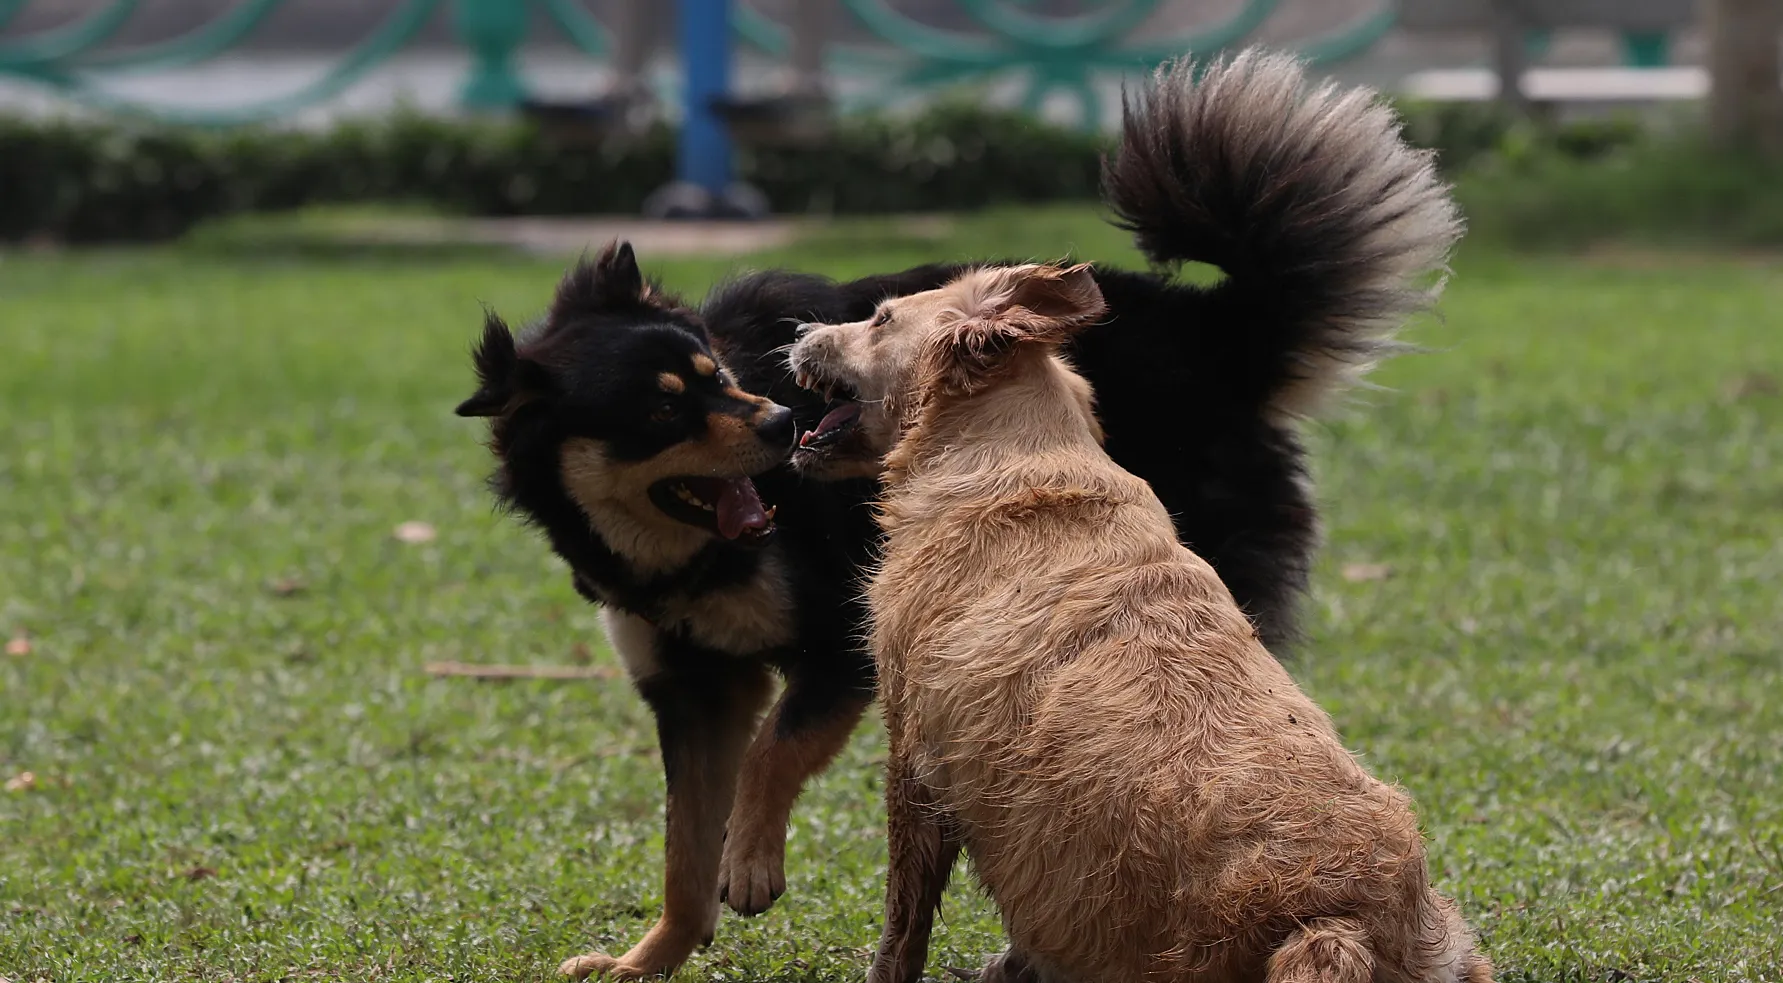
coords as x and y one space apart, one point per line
736 107
216 61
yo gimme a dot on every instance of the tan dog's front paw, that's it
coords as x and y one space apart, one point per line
752 875
600 964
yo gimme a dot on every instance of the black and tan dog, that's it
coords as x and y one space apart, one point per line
647 440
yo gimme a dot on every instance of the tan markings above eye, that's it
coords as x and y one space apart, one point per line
671 383
704 365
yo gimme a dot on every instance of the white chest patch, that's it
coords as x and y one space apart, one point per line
634 639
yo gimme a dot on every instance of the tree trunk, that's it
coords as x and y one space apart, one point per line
1746 101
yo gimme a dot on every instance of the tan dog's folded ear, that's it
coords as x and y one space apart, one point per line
1064 298
1009 307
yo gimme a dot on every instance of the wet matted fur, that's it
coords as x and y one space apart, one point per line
1326 225
1074 698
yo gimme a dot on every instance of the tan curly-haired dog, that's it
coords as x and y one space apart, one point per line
1075 699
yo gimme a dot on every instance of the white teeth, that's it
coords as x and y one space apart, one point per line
771 510
685 494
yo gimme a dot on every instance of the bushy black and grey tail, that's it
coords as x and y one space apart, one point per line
1330 229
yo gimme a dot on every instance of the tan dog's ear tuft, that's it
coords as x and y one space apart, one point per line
1013 306
1067 297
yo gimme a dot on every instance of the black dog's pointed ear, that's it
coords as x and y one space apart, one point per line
502 375
612 280
618 267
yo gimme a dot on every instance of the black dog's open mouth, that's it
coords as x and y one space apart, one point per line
841 418
730 507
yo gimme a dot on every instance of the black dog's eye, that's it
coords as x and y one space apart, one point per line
664 411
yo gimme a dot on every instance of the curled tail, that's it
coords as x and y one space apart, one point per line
1324 950
1330 229
1339 950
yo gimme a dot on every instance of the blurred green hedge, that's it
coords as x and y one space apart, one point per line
102 180
1561 186
84 181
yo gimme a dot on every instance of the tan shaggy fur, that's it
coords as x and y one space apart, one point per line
1075 699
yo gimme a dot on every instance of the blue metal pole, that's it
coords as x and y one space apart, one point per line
704 154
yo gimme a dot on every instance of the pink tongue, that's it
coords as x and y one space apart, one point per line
739 508
838 417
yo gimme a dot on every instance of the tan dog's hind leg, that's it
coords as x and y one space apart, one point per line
1324 950
703 725
922 849
802 735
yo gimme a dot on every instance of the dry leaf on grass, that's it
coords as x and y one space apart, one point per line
19 644
198 873
287 587
24 781
478 671
1751 384
1357 573
415 532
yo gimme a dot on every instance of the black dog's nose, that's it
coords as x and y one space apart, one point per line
776 429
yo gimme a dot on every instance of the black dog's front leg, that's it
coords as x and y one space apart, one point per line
703 722
808 727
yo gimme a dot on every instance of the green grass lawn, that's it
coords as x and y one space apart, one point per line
242 772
